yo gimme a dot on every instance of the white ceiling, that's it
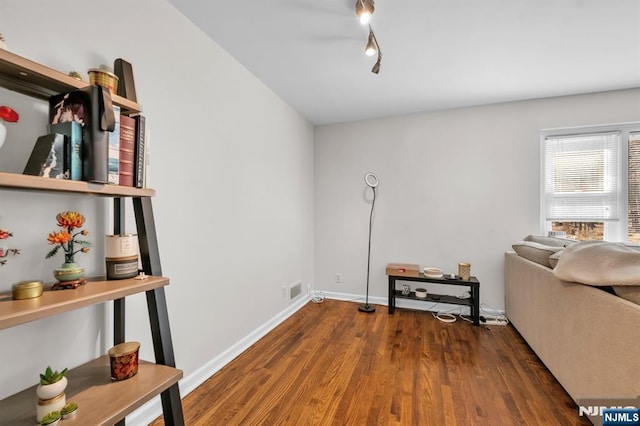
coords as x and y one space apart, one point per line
437 54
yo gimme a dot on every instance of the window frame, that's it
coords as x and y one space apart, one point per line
613 230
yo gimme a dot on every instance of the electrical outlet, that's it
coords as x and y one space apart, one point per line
338 278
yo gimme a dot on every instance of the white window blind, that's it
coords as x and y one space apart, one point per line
634 187
581 177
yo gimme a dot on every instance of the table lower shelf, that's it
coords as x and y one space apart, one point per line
435 298
100 400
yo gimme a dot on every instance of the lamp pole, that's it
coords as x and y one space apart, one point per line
372 182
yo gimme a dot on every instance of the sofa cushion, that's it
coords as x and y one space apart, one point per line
535 252
554 258
550 241
631 293
599 263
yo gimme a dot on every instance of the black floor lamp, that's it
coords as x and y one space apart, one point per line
372 181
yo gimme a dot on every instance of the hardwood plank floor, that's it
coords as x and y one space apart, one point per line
330 364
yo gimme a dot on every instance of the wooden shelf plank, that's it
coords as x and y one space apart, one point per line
22 182
435 298
16 312
100 401
30 78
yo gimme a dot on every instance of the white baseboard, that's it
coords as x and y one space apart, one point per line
152 409
400 303
412 304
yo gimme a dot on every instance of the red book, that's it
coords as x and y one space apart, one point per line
127 149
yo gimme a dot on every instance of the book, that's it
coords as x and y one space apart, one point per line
140 149
47 157
127 149
147 155
114 149
91 106
73 148
70 106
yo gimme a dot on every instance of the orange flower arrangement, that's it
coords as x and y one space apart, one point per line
66 238
4 251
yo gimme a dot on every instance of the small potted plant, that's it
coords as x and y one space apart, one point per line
67 240
5 251
51 384
51 419
75 74
69 410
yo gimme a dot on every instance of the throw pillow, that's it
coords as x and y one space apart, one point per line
535 252
599 263
550 241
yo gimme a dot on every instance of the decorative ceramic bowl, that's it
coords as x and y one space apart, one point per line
124 360
68 273
69 410
433 272
46 392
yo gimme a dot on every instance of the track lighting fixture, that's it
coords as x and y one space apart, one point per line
364 10
373 48
376 66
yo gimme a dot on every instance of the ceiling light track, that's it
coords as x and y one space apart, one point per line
364 10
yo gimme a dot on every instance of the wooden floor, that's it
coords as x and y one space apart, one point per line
330 364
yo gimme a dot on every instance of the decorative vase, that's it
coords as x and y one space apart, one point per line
3 132
69 271
46 406
47 392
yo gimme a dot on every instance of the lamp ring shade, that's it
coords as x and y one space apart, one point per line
371 180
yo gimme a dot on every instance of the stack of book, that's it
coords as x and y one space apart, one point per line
74 149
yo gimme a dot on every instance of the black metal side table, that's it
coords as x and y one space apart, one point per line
473 302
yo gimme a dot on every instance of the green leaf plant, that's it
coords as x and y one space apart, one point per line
50 377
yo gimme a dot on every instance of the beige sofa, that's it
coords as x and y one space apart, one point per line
588 338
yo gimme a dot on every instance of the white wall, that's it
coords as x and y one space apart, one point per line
231 163
457 185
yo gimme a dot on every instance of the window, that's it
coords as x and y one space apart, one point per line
633 232
591 182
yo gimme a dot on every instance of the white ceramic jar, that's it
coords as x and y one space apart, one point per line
46 406
49 391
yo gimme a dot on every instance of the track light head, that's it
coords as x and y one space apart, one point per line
364 10
372 46
376 66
